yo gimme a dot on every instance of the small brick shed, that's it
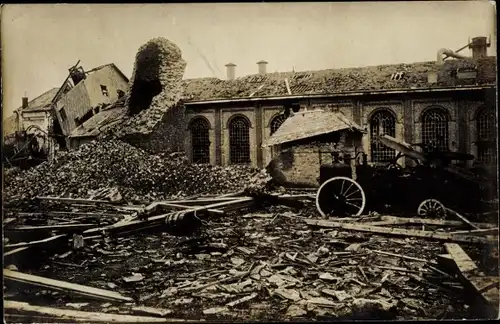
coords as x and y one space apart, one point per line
306 140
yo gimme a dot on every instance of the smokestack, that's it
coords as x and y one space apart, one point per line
24 102
262 67
231 71
479 46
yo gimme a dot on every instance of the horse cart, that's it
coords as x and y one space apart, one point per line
431 187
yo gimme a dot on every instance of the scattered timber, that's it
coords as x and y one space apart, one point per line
92 292
81 316
32 243
402 232
484 287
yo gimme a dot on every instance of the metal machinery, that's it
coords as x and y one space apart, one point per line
432 186
26 148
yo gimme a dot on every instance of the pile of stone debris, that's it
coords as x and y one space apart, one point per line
136 174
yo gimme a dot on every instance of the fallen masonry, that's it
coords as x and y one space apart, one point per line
261 255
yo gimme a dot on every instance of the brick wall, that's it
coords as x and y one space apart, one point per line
407 110
168 135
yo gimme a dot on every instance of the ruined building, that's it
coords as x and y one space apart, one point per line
449 102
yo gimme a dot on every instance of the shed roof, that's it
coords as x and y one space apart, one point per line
93 126
331 81
311 123
42 102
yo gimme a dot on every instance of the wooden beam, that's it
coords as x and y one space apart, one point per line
485 287
81 316
483 231
63 286
58 227
24 244
462 218
401 232
463 261
440 222
77 201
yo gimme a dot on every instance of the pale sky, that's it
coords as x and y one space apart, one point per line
41 41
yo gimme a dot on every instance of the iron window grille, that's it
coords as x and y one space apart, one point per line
239 141
276 122
200 141
382 123
486 122
435 130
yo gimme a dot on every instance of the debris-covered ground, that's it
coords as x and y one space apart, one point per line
112 222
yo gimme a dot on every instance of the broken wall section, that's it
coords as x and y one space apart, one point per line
156 118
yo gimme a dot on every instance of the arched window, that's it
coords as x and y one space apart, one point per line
435 129
276 122
382 122
200 140
486 122
239 140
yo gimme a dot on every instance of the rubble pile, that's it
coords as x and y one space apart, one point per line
137 174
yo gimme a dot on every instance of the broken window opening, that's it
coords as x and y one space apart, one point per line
200 141
382 122
239 140
64 118
104 90
435 129
486 140
57 134
276 122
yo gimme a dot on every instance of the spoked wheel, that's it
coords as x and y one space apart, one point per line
340 196
431 208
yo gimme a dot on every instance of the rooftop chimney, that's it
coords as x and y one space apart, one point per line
262 67
479 47
24 102
231 71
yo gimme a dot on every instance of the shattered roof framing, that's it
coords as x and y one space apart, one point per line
343 94
339 82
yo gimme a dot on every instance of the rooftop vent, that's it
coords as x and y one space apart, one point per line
262 67
231 71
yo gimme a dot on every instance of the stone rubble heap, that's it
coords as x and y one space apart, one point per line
137 174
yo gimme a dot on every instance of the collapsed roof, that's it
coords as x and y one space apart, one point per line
333 81
311 123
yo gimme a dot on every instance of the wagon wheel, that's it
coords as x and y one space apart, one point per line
432 208
340 196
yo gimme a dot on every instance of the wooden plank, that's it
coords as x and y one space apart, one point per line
386 222
68 213
462 218
441 222
400 232
78 201
58 227
15 251
487 288
402 256
483 231
179 206
463 261
24 244
64 286
82 316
